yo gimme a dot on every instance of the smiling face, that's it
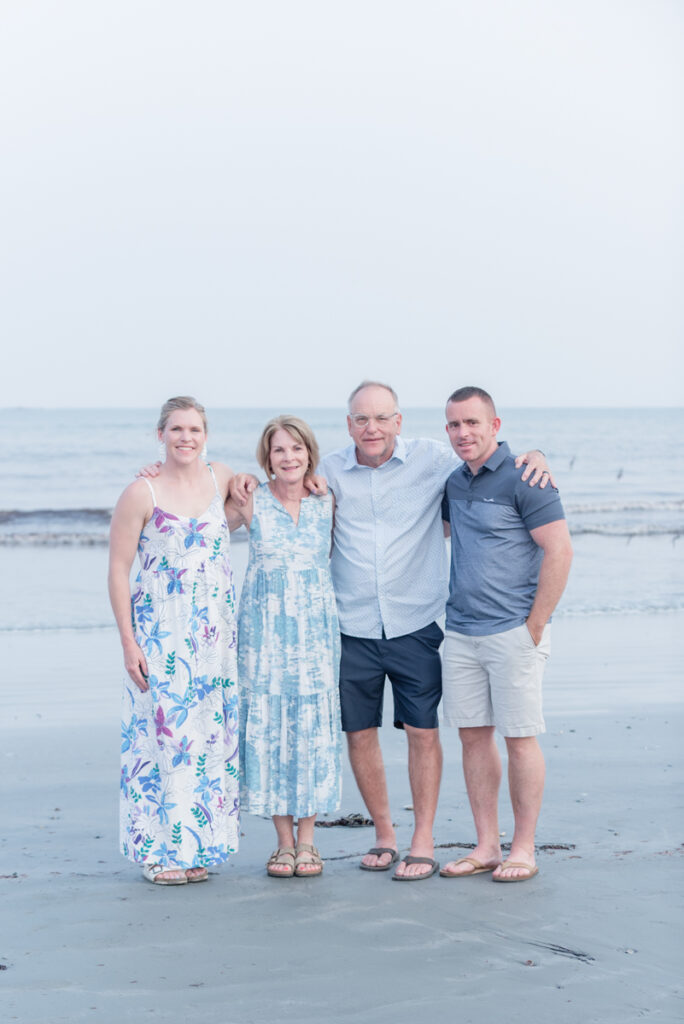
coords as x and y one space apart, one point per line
374 424
288 458
472 427
184 436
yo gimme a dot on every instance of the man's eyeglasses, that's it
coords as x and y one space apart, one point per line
363 421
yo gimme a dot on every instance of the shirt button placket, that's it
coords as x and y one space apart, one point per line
376 504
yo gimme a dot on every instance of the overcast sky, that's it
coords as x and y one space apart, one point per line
262 203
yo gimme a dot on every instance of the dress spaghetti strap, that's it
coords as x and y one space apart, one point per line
151 490
213 477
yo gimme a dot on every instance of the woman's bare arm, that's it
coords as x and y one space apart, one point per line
238 515
132 511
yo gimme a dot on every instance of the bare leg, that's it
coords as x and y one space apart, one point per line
526 773
425 773
482 771
284 826
369 771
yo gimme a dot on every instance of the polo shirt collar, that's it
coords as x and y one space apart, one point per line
495 459
399 452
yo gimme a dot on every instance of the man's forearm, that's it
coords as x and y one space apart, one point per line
553 576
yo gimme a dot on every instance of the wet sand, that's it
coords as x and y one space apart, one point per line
595 937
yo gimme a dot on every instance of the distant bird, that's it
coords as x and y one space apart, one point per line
572 462
619 473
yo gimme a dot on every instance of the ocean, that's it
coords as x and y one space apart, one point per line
619 471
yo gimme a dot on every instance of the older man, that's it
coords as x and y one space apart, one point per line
510 559
389 570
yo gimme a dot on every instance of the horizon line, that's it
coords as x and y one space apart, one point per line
271 407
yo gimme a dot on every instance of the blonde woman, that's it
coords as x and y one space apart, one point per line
179 751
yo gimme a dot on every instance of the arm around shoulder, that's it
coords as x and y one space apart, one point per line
238 514
241 486
536 468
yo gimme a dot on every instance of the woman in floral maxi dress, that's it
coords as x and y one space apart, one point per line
289 650
179 751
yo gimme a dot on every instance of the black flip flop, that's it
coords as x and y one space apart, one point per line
417 878
378 851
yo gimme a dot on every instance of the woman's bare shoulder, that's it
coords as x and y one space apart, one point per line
137 497
224 474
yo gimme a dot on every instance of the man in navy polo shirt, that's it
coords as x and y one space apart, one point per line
510 559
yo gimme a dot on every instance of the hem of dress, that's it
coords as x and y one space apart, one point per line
306 813
205 862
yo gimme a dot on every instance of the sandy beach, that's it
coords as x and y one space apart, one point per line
595 937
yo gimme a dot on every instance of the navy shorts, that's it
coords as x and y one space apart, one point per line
414 668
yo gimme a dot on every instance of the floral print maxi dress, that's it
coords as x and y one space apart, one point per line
179 751
289 652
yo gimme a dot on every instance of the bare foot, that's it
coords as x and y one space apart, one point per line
308 860
466 866
382 860
281 869
196 874
281 862
487 859
167 876
375 860
515 870
518 866
308 868
405 870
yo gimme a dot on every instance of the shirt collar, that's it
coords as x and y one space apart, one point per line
399 452
494 461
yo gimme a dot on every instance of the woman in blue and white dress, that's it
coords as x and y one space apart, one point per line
179 766
288 650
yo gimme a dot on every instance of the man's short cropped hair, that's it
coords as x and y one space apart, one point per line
463 394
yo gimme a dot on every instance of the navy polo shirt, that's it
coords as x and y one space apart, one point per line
494 561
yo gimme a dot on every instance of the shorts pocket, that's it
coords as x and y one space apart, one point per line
527 638
431 635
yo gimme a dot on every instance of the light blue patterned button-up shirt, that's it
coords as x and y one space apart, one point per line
389 564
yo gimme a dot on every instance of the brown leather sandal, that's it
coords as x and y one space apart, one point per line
307 854
284 855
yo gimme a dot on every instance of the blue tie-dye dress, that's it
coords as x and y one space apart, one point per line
288 658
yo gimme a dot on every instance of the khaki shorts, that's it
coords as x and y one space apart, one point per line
495 680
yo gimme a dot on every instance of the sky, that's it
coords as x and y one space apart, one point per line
264 203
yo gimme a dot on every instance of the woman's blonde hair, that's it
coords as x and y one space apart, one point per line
175 404
297 429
